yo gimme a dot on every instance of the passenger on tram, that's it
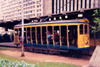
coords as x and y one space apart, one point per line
56 38
70 37
63 40
28 38
49 35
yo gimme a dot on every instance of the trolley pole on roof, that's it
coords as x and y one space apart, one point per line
22 55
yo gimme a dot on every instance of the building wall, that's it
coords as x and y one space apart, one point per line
11 9
74 5
47 6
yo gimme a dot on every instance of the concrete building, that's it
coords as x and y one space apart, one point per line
11 9
59 6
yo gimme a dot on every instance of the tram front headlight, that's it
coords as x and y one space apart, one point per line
86 42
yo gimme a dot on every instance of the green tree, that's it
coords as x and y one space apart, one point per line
96 26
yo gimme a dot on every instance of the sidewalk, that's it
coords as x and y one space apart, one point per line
38 57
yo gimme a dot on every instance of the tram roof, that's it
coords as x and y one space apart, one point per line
60 21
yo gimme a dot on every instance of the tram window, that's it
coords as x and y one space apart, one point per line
64 35
16 32
38 35
50 37
81 29
56 35
20 30
44 35
72 35
85 29
28 35
33 35
24 35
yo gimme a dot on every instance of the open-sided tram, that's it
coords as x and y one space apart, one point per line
62 35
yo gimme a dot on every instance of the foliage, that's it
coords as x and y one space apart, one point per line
39 64
96 27
6 63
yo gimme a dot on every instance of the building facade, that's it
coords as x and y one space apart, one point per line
58 6
11 9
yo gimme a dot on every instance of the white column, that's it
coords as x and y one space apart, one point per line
83 3
75 5
68 5
61 6
92 3
87 3
79 4
72 5
96 3
55 6
64 5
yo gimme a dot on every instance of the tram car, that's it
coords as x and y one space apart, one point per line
62 35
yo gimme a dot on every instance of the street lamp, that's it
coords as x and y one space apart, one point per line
22 55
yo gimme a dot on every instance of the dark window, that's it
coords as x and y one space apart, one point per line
33 35
66 5
86 29
38 35
70 5
25 35
77 4
28 35
53 6
81 29
90 4
59 5
73 4
81 3
63 5
85 3
44 35
64 35
56 6
20 30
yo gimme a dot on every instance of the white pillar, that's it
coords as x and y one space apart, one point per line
64 5
83 3
92 3
72 5
87 3
55 6
68 5
79 4
75 5
61 6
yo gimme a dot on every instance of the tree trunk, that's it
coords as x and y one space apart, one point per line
94 39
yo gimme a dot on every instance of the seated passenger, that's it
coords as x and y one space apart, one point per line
28 38
56 38
49 35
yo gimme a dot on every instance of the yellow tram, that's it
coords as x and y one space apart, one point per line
59 35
